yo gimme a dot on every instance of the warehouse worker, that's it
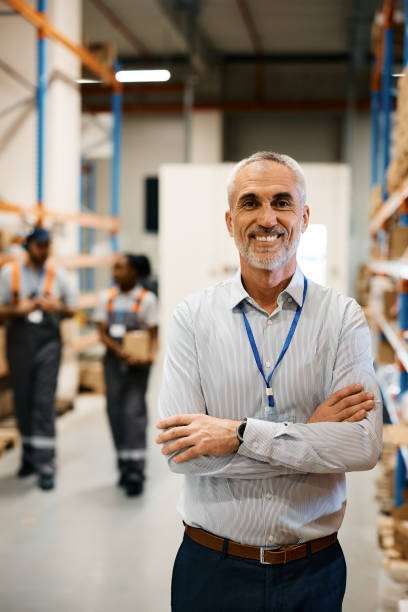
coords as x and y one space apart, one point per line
268 398
34 297
125 307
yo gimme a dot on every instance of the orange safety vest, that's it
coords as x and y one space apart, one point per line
16 280
113 292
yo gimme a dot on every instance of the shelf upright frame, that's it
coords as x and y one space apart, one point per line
403 210
386 82
401 482
41 96
117 112
376 112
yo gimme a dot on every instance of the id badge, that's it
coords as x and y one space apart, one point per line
36 316
117 330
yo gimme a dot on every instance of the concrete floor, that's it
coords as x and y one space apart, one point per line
85 547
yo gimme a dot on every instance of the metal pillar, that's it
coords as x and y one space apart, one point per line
41 101
87 235
387 102
401 482
90 232
403 213
117 103
406 34
81 272
375 135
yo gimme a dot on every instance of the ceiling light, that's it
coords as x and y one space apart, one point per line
87 81
142 76
399 74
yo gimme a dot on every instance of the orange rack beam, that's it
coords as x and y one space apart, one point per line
41 22
84 219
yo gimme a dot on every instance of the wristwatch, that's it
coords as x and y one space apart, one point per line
241 431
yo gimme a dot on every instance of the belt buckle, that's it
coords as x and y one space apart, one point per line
262 555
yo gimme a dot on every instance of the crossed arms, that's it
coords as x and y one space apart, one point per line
343 434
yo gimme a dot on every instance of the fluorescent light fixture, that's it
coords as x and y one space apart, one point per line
87 81
142 76
399 74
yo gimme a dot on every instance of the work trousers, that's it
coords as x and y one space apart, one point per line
206 580
126 406
34 355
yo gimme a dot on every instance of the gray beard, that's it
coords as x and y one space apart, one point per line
264 263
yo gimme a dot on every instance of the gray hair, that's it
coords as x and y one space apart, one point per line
279 158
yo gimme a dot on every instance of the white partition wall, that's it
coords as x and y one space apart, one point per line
195 248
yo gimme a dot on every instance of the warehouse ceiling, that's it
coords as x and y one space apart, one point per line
239 54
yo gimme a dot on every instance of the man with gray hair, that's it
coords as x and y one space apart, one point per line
269 397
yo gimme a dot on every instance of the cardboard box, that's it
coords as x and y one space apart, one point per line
69 330
385 352
91 376
3 358
390 306
137 344
6 403
401 538
398 241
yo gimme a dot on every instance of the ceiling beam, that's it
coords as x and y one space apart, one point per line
236 106
251 27
256 44
123 29
248 58
177 14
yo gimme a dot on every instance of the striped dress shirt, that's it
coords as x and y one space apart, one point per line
286 483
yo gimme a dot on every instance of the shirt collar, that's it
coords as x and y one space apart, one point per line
294 289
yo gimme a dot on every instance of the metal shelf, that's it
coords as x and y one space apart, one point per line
389 208
397 268
390 331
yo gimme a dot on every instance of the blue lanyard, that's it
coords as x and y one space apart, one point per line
269 391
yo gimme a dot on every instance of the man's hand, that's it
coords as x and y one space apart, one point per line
198 434
50 304
24 307
349 404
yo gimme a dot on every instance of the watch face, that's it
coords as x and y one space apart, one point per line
241 431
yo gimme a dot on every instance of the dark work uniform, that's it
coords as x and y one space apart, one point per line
126 385
34 354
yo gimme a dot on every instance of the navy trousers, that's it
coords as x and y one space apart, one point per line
205 580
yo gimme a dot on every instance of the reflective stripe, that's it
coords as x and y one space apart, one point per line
132 454
39 441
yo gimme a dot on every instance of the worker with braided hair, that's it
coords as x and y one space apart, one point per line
125 307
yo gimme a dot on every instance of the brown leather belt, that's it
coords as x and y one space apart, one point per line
285 554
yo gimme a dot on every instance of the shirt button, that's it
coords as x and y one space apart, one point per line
290 300
268 495
268 364
269 322
255 445
271 539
